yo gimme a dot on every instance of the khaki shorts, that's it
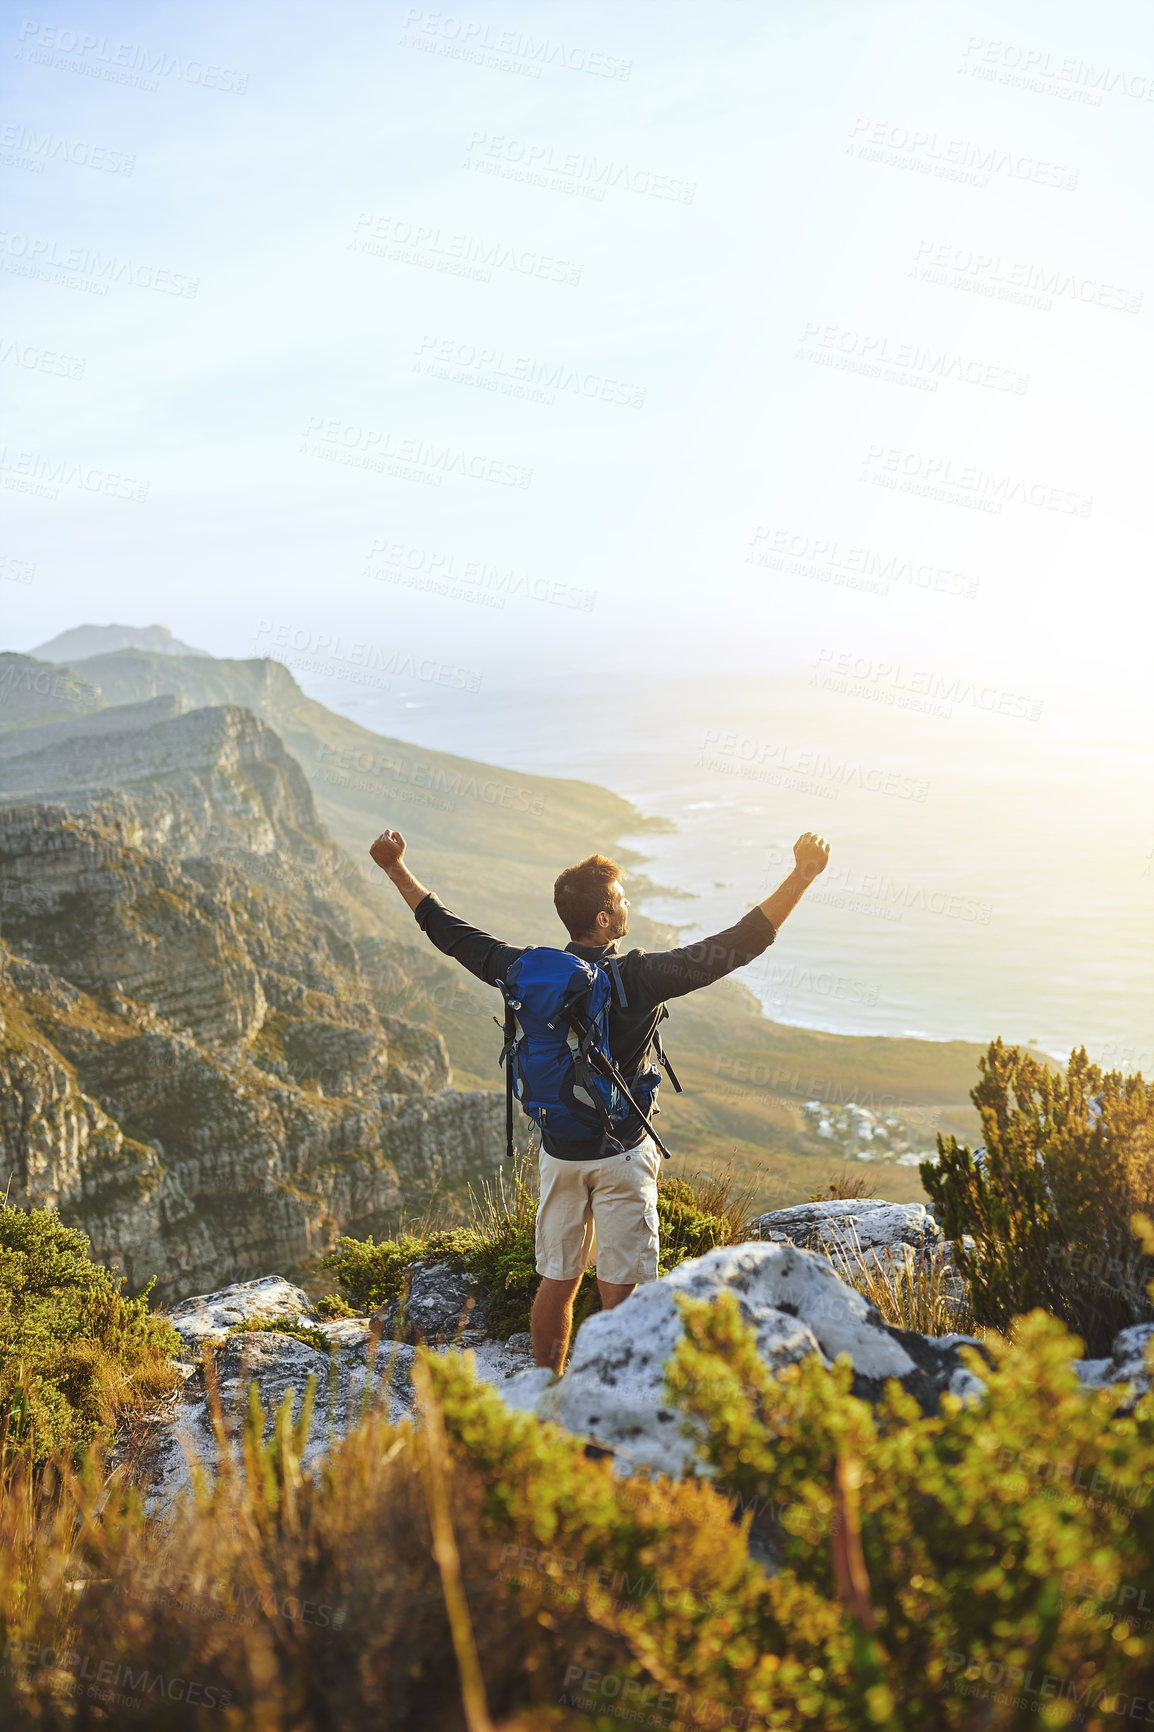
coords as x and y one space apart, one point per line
603 1211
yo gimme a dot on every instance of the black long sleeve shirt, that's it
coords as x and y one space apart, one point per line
647 980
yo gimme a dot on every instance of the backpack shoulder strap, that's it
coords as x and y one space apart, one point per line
614 967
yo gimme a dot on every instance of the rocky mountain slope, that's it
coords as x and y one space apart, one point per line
202 1062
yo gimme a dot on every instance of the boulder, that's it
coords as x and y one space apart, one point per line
613 1394
439 1304
205 1320
837 1225
1126 1364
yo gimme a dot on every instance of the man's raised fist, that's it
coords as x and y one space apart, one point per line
388 850
811 853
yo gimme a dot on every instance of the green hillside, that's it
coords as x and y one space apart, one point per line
490 842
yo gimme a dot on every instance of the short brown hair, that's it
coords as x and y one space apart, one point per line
581 893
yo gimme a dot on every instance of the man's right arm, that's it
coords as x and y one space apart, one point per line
479 952
389 853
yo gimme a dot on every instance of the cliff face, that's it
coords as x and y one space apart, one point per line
209 774
193 1066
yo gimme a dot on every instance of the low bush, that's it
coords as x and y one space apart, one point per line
75 1353
274 1326
1068 1161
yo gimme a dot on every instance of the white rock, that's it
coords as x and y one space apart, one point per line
1095 1373
968 1387
525 1389
207 1318
845 1225
1126 1364
612 1391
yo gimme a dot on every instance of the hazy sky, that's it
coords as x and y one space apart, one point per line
703 336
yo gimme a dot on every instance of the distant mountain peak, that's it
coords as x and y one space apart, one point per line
97 640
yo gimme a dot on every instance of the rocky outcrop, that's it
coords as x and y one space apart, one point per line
848 1226
352 1363
190 778
796 1304
193 1164
612 1394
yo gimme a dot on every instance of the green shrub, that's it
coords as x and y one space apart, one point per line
370 1275
75 1353
271 1326
1069 1160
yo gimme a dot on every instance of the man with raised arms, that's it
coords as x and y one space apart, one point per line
597 1205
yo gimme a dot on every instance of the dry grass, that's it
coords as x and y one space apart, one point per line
839 1188
911 1291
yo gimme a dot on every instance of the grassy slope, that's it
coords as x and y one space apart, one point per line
490 841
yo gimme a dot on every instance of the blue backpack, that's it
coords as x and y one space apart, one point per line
556 1052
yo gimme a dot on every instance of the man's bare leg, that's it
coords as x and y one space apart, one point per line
552 1321
613 1293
